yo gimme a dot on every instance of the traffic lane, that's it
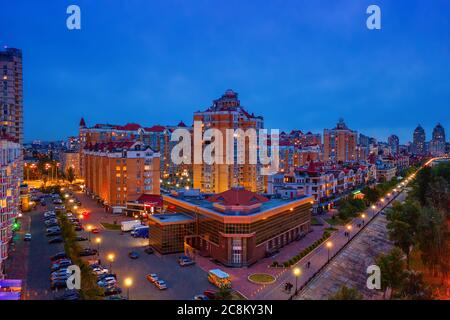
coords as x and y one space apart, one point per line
38 281
183 282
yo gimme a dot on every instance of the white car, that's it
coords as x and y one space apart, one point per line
27 237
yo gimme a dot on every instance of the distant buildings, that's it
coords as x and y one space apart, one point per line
394 142
437 143
340 143
418 144
236 227
117 172
227 113
70 159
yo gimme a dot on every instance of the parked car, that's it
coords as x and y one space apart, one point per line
115 297
60 265
100 271
133 255
112 291
57 284
149 250
200 297
78 228
88 252
185 261
53 233
68 295
152 277
48 214
211 294
95 230
57 201
160 284
56 240
59 255
27 237
80 238
43 203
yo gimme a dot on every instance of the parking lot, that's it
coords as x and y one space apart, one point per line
182 282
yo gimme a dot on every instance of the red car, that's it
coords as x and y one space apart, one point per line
95 230
210 294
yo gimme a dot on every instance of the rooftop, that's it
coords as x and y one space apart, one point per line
169 218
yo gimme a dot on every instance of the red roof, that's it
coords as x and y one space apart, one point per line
237 197
155 199
110 146
156 128
129 127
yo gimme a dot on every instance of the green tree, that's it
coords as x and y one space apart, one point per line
224 293
70 175
392 269
346 293
415 288
402 226
433 238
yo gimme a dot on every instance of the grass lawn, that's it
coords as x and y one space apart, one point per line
337 221
261 278
315 222
110 226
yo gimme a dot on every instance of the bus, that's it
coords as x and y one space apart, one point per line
219 278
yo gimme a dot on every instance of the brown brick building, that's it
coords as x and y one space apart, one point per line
118 172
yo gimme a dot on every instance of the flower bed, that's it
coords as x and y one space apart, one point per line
261 278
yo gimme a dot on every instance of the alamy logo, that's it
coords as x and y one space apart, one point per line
374 279
240 147
374 20
74 280
73 22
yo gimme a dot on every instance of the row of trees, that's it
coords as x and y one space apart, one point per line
419 224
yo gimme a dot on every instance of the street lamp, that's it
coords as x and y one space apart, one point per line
128 283
329 245
349 229
297 273
98 240
89 229
363 216
111 257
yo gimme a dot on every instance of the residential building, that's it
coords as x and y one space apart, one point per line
227 113
394 142
437 143
340 143
11 97
118 172
418 144
10 168
70 159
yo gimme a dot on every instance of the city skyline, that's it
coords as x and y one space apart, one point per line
274 63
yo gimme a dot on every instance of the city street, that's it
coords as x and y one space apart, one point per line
319 257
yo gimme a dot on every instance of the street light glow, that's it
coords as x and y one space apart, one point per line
98 240
329 244
128 282
111 257
297 272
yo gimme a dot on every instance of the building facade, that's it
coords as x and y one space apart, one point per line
340 143
10 167
418 144
227 113
437 143
117 172
236 227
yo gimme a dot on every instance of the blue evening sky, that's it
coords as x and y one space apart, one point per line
300 64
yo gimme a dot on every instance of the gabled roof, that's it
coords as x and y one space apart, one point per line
155 128
237 197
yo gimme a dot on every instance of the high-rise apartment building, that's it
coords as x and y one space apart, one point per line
10 168
340 143
418 145
437 143
394 142
227 113
11 103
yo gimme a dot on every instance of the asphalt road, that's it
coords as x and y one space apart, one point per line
40 251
